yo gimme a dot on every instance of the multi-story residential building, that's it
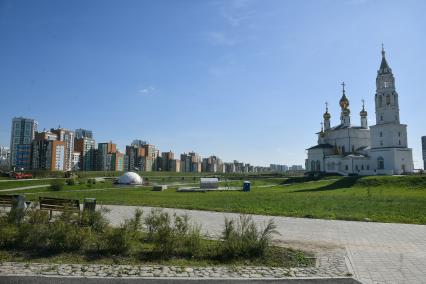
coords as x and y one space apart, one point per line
190 162
117 161
295 168
83 133
68 137
212 164
86 147
278 168
48 154
138 143
135 158
151 155
165 160
76 161
22 134
4 157
175 166
104 160
424 151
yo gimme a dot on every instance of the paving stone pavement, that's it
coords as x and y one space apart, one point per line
372 252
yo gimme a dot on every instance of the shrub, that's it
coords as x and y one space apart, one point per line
173 236
70 181
56 185
9 235
134 225
242 238
117 240
96 219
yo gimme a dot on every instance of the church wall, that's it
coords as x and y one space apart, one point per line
347 138
389 135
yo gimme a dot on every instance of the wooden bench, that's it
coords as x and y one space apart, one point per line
6 200
13 201
59 204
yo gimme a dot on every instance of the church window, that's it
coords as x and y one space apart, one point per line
356 167
399 142
388 100
368 167
313 166
399 134
362 167
380 163
381 117
380 100
381 134
346 167
318 166
381 143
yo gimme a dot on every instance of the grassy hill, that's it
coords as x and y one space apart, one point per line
383 199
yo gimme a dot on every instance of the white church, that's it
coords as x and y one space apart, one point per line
362 150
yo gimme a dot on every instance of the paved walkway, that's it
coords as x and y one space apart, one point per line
24 187
375 252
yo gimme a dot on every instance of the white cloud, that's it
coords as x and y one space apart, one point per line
147 90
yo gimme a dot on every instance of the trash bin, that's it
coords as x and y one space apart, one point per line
246 186
89 204
18 202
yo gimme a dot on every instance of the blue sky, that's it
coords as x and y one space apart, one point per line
241 79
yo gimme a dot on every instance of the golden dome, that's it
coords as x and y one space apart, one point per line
326 115
344 102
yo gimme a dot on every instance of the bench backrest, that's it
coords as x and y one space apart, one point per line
6 200
59 204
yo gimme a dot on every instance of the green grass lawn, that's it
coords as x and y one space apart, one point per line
381 199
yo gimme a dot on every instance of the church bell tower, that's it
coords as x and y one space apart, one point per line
386 99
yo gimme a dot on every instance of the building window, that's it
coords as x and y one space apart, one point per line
380 100
399 142
381 143
380 163
388 100
381 117
381 134
346 168
362 167
399 134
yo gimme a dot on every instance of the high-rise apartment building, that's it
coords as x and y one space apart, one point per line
424 151
151 155
165 160
22 134
212 164
135 158
104 157
48 154
86 147
4 157
83 133
68 137
190 162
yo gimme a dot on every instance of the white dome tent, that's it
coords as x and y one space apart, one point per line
130 178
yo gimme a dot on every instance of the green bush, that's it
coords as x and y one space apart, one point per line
117 240
70 181
243 239
56 185
173 236
96 219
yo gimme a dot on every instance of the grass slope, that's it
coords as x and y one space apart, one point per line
382 199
